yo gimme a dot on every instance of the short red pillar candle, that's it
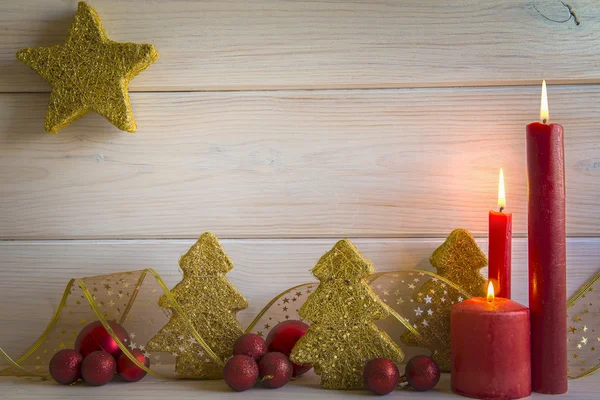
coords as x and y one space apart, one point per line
547 247
500 245
490 347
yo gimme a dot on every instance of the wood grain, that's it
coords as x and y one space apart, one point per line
377 163
265 44
239 134
34 274
306 387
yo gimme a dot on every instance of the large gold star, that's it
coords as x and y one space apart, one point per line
89 73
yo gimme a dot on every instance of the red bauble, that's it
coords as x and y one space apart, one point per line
95 338
381 376
275 370
65 366
98 368
300 369
127 369
250 345
422 373
283 338
240 372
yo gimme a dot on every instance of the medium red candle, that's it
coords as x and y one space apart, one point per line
500 245
490 348
547 254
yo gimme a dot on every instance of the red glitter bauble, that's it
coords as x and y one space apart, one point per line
98 368
93 337
381 376
275 370
127 369
422 373
240 372
65 366
283 338
300 369
250 345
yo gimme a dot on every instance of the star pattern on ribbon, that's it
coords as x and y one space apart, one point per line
583 330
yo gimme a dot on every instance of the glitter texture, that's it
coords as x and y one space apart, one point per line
65 366
210 302
98 368
459 260
89 73
343 337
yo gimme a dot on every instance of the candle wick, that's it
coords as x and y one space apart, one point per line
501 208
544 121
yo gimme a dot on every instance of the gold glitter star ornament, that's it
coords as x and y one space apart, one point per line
89 72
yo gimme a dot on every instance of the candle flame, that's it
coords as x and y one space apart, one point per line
544 113
490 293
501 193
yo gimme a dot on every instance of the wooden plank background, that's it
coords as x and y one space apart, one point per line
273 44
283 126
365 163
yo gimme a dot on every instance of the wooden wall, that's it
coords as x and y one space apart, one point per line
282 126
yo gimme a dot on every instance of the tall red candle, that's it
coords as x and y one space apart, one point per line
500 245
490 349
547 254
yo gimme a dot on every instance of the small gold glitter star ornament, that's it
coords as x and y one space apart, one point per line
89 72
210 302
459 260
343 336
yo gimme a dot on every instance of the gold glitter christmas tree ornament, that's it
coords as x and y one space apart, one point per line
459 260
89 72
343 336
210 302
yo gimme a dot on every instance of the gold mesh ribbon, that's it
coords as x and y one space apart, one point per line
131 299
583 322
459 259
